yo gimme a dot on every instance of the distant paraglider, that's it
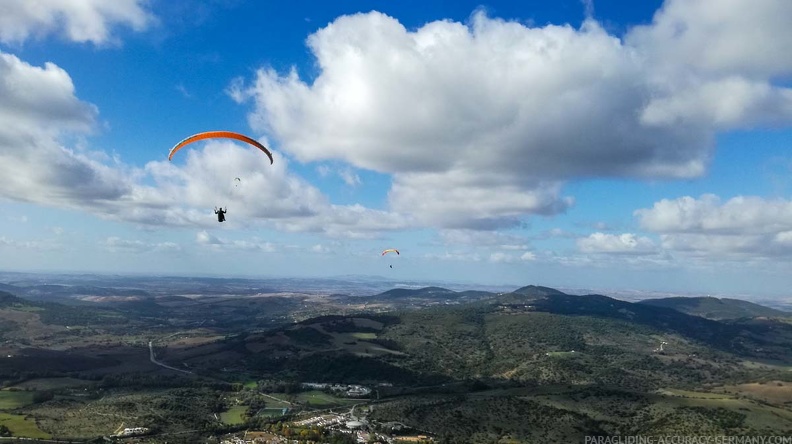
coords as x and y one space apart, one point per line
391 250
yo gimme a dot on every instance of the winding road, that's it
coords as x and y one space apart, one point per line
154 360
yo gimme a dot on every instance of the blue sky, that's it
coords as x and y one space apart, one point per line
589 144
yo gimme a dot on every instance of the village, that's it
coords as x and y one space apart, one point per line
347 390
359 429
352 422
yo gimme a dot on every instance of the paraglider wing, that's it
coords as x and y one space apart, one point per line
391 250
219 134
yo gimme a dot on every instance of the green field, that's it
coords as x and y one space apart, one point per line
27 308
544 390
758 414
272 403
22 427
560 354
10 400
270 412
316 398
51 383
692 394
233 415
364 336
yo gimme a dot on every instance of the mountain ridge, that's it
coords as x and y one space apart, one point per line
716 308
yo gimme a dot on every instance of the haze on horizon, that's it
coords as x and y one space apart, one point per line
593 144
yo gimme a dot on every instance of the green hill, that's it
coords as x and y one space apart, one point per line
529 365
9 300
422 293
13 289
534 290
714 308
478 367
52 313
545 336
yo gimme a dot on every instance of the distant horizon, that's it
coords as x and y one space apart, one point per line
631 294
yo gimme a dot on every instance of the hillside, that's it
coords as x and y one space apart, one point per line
717 309
426 292
535 290
541 363
466 366
9 300
410 297
508 336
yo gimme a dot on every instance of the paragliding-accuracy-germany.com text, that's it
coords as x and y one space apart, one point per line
681 439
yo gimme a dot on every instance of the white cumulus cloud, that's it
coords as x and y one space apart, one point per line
502 257
481 123
38 107
718 37
713 63
743 227
40 112
117 244
76 20
255 244
707 214
626 243
476 238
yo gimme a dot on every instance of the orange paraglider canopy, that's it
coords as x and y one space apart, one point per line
219 134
